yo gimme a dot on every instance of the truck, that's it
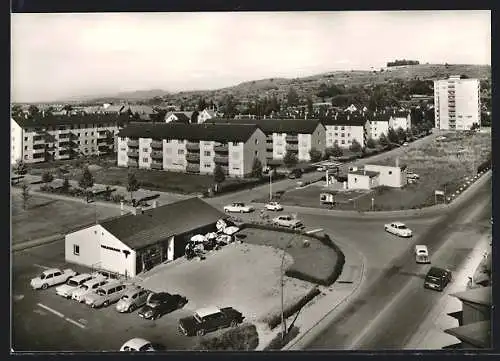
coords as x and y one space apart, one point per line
51 277
327 199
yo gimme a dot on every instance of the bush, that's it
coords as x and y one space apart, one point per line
278 343
241 338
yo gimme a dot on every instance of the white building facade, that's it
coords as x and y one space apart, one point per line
457 103
341 130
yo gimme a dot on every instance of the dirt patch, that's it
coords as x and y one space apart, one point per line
45 217
243 276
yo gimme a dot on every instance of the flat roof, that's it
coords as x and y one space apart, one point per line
367 173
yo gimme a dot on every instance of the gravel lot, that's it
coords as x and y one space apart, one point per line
243 276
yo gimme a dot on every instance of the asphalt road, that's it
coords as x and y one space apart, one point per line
388 311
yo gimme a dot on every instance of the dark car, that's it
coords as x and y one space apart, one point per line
437 278
160 304
295 173
209 319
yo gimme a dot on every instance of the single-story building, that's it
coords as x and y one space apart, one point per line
370 176
133 243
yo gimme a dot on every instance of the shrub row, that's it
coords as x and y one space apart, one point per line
484 165
236 186
275 319
241 338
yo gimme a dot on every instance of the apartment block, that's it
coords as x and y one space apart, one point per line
192 148
400 119
343 128
457 103
298 136
62 137
379 124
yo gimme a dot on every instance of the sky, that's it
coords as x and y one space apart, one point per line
60 56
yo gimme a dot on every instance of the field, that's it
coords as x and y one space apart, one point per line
249 280
44 217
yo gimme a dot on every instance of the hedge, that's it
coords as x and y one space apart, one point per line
236 186
241 338
484 165
277 343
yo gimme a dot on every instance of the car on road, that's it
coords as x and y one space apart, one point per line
422 254
132 300
274 206
105 295
437 278
321 168
295 173
88 287
405 144
137 345
209 319
72 284
238 207
160 304
51 277
287 221
399 229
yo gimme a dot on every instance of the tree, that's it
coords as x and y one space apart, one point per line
334 152
25 194
68 108
202 104
370 143
33 111
132 184
65 187
355 146
290 159
315 155
309 102
401 133
392 136
86 180
257 168
383 141
219 175
292 97
475 126
47 177
21 168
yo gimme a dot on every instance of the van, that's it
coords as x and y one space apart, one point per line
106 295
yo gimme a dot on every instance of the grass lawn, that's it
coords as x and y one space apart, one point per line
45 217
249 280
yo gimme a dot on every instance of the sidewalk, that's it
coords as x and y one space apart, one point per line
320 312
430 335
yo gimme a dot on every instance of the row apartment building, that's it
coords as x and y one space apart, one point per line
343 128
192 148
457 103
57 137
298 136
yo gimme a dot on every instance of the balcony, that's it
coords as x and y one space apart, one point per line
38 150
133 153
269 147
157 166
193 157
292 147
64 136
157 155
221 160
157 144
102 134
193 168
64 143
193 146
132 163
103 141
133 143
221 148
292 138
38 140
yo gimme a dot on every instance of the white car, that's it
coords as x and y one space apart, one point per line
399 229
421 254
137 345
51 277
274 206
88 287
238 207
73 283
321 168
287 221
405 144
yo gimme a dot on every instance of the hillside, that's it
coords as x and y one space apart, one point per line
309 85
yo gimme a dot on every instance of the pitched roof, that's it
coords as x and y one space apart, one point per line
481 296
477 334
269 126
194 132
54 120
181 116
156 224
353 119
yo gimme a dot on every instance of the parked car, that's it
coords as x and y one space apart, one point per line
399 229
160 304
51 277
321 168
421 254
411 175
72 284
105 295
287 221
405 144
88 287
137 345
132 299
238 207
209 319
274 206
437 278
295 173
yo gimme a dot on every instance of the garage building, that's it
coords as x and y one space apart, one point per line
131 244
